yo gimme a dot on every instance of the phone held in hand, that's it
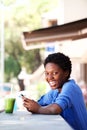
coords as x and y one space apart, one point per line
22 95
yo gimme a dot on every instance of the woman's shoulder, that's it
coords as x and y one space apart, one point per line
71 82
70 85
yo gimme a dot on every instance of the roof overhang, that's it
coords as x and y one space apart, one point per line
69 31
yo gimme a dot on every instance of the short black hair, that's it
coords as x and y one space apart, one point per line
61 60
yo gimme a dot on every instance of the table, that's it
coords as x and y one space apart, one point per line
23 120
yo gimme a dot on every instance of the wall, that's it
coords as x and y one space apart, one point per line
74 10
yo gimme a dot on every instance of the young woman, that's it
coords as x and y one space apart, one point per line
65 97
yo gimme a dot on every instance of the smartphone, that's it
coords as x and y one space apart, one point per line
22 95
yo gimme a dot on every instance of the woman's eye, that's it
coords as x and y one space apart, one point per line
55 73
46 73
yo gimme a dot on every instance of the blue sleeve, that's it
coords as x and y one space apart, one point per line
48 98
64 100
44 100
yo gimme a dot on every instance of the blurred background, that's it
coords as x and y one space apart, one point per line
21 64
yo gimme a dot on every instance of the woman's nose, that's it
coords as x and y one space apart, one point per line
50 76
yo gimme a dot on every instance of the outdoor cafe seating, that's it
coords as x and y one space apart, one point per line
22 119
26 121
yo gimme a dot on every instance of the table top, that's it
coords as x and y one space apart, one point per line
26 121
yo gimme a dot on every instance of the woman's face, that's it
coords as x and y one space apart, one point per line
55 76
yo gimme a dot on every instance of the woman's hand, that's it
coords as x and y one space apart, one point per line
31 105
34 107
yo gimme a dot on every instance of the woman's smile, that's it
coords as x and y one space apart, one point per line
54 75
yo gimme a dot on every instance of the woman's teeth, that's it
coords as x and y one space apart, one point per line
52 83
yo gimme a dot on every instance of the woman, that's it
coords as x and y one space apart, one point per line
65 97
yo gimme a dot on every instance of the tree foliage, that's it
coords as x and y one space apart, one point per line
18 18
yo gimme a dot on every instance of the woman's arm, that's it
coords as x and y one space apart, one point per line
34 107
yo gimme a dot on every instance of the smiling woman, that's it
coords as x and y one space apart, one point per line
64 98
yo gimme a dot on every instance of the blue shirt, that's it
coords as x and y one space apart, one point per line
71 100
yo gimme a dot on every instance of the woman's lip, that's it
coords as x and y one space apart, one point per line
53 87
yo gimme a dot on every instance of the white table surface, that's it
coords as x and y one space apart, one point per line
23 120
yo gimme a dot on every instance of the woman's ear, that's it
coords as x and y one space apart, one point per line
66 73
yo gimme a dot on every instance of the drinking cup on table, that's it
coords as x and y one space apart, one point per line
9 104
